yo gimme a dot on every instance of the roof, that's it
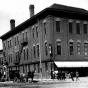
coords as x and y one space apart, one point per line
56 10
68 8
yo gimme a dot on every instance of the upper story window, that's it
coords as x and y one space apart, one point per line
85 27
27 53
17 39
23 36
71 47
11 58
24 54
33 32
16 56
4 45
26 35
70 26
46 51
37 31
34 51
38 50
45 27
79 47
86 47
58 47
57 25
77 27
10 43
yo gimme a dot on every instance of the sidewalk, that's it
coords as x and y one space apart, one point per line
51 81
81 79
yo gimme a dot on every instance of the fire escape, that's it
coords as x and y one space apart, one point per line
23 43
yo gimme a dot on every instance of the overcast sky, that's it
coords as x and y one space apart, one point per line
19 10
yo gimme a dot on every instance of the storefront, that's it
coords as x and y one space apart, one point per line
67 67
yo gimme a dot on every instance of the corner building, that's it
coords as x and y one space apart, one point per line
55 39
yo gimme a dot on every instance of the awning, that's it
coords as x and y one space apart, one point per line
71 64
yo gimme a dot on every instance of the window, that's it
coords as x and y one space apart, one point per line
18 40
86 48
58 48
23 35
71 48
10 44
11 58
45 27
27 53
15 41
24 54
26 35
46 51
70 27
34 51
85 28
57 26
37 31
33 32
78 28
16 57
4 45
38 50
79 48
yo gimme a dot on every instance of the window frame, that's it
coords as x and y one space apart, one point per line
85 28
71 48
58 43
78 31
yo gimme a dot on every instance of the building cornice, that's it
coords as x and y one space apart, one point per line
73 13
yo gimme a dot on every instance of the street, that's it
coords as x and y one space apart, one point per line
68 83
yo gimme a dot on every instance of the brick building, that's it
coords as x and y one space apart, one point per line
55 39
1 60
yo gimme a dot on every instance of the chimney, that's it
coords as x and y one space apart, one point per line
31 9
12 24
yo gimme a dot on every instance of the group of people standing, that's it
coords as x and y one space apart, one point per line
62 76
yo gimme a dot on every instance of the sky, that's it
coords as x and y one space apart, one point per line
19 10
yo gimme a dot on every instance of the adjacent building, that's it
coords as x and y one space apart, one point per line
55 39
1 60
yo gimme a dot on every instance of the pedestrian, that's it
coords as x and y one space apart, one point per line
63 73
72 75
77 75
61 76
69 75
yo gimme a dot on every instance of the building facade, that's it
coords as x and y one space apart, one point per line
1 61
55 39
